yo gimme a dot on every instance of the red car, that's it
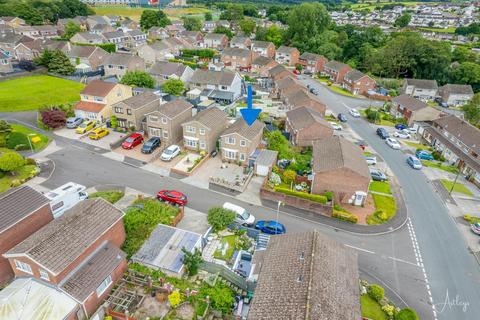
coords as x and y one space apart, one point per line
172 196
132 141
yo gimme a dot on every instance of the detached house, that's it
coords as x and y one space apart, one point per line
166 121
97 98
88 38
420 89
335 70
163 70
411 109
131 112
22 212
264 48
77 254
455 94
241 42
217 41
279 72
240 140
202 132
312 62
119 38
302 98
237 58
358 82
222 86
306 126
261 65
117 64
89 58
287 55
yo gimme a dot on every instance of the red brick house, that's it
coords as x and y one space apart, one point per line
77 253
306 126
335 70
22 212
312 62
262 64
302 98
339 166
287 55
264 48
358 82
279 72
411 109
285 85
237 58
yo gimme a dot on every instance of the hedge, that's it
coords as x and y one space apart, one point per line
312 197
345 216
109 47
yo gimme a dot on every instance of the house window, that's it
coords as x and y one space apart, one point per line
202 131
110 66
230 154
119 92
243 143
154 132
203 146
104 285
85 97
129 111
230 140
165 134
242 156
153 118
223 87
121 67
118 110
191 129
44 275
122 123
98 99
190 143
164 120
22 266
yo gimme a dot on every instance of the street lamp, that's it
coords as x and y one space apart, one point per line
29 142
280 203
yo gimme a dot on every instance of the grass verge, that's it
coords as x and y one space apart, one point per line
371 309
380 186
416 145
23 173
458 187
440 166
44 140
111 196
385 209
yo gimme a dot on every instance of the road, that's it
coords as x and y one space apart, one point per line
452 274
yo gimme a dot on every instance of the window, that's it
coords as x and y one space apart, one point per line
230 154
121 67
242 156
98 99
153 118
22 266
110 66
104 285
154 132
191 129
129 111
243 143
165 134
223 87
118 110
191 143
57 206
201 131
164 120
203 145
85 97
230 140
44 275
122 123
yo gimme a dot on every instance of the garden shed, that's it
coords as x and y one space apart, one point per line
265 161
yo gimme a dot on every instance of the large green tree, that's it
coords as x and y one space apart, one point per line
11 161
472 110
403 20
138 79
192 23
173 87
247 25
153 18
71 28
219 218
224 30
467 73
273 34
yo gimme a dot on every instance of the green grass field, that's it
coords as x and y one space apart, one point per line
415 145
22 173
135 13
371 309
370 5
27 131
440 166
447 30
380 186
382 203
460 188
30 93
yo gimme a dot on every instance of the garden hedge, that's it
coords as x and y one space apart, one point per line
312 197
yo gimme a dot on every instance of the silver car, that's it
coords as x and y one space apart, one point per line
73 122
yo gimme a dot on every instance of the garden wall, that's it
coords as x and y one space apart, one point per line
179 216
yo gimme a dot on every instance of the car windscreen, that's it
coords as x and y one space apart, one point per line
168 151
129 140
245 215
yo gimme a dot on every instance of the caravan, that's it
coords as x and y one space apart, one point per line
65 197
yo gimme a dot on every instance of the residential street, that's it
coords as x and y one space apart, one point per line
451 270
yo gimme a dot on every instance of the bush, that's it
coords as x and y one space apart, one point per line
344 216
407 314
20 147
312 197
274 179
389 310
175 298
471 219
219 218
438 156
376 292
15 139
289 176
11 161
329 195
53 118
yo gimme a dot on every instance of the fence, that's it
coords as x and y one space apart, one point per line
228 275
20 74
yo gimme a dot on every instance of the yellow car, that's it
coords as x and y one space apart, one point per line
85 126
98 133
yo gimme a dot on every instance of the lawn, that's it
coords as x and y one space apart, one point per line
371 309
111 196
447 30
416 145
380 186
231 240
341 91
30 93
27 131
135 13
440 166
23 173
460 188
385 207
382 122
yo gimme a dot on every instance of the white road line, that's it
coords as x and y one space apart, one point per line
359 249
404 261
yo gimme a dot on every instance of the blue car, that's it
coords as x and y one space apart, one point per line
423 155
270 227
400 126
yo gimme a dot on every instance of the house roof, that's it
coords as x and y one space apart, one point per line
286 50
354 75
82 282
121 58
211 117
14 38
277 70
238 39
59 243
223 77
462 130
236 52
262 61
17 204
306 276
456 89
409 103
136 32
82 51
285 83
89 106
174 108
190 34
266 157
336 152
304 117
335 65
214 36
310 56
98 88
262 44
166 68
114 34
243 129
140 100
90 36
422 83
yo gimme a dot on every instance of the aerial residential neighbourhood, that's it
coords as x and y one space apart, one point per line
257 160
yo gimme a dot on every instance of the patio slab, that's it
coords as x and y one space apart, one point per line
187 162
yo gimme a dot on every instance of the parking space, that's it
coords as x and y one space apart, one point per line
137 154
168 164
103 143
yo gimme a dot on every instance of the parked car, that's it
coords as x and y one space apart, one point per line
98 133
172 196
400 126
132 141
402 134
475 228
423 155
382 133
393 143
270 227
85 126
335 126
151 144
314 91
73 122
354 112
411 130
169 153
342 117
378 175
371 160
242 216
414 162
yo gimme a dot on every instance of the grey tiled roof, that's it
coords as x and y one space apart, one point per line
306 276
120 59
277 70
242 128
59 243
223 77
174 108
303 117
262 61
422 84
140 100
18 203
310 56
166 68
462 130
236 52
335 65
91 36
354 75
456 89
409 102
211 117
114 34
214 36
238 39
261 44
286 50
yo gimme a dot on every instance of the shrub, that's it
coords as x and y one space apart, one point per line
389 310
407 314
437 156
219 218
174 298
274 179
344 216
3 141
15 139
308 196
20 147
11 161
329 195
289 176
337 207
376 292
192 260
54 118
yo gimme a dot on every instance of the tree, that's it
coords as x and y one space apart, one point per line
153 18
462 54
71 28
11 161
472 110
403 20
273 34
114 121
138 79
232 12
174 87
247 25
59 63
467 73
224 30
53 118
407 314
208 16
219 218
192 23
192 260
221 297
5 127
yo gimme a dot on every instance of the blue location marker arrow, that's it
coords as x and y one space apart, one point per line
249 114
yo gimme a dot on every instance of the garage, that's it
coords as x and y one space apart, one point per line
265 161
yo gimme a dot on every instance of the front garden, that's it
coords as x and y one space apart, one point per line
380 116
15 169
111 196
385 209
18 137
456 187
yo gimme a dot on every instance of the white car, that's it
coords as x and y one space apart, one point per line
393 143
335 126
411 130
402 134
354 112
371 160
242 216
169 153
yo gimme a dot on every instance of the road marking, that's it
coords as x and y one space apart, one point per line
360 249
405 261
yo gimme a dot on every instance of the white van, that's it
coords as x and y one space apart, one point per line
65 197
241 215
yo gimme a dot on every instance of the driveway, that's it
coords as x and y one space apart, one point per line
103 143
